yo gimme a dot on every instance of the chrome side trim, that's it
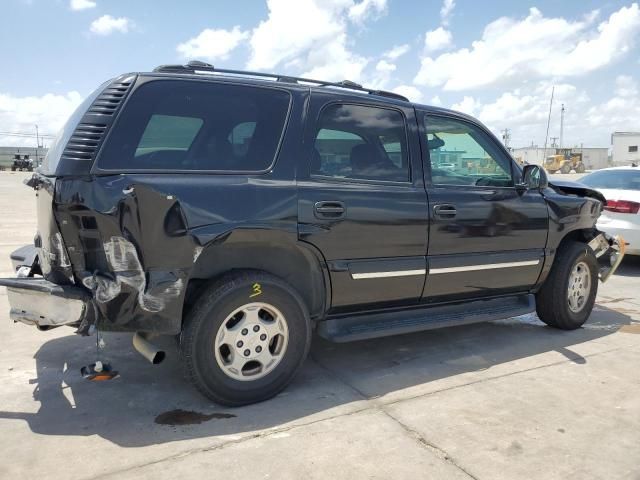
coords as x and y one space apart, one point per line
396 273
485 266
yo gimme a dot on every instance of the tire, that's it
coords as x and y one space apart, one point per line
565 169
580 168
553 303
254 295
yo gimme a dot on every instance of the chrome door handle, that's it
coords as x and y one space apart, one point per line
445 210
329 209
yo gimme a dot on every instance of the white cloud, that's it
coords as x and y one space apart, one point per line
534 47
382 76
366 8
437 39
435 101
446 10
310 36
409 91
22 114
468 105
396 52
106 25
213 44
334 61
525 111
384 66
621 111
81 4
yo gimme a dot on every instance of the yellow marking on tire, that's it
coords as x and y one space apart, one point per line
257 290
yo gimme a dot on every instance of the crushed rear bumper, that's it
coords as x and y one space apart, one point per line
609 251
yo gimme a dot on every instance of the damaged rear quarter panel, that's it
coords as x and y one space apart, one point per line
134 239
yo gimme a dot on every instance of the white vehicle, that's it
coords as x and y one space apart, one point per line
450 167
621 215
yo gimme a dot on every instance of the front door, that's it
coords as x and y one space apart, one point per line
486 237
362 202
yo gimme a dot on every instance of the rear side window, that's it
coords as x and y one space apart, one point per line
168 132
183 125
361 142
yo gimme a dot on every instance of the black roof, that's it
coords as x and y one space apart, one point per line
193 67
197 68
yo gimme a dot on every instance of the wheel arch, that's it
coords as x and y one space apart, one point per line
297 263
583 235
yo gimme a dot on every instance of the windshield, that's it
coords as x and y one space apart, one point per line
52 158
613 179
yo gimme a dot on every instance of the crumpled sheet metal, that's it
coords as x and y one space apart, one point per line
125 264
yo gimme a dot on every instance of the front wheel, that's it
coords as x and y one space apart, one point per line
567 297
245 338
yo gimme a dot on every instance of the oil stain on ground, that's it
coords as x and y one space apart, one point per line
188 417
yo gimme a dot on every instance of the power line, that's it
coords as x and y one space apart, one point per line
25 134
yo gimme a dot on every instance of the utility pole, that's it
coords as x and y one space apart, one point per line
554 143
561 124
506 138
37 145
546 137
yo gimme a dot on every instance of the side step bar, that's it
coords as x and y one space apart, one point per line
361 327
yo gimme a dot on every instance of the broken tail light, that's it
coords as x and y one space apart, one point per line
622 206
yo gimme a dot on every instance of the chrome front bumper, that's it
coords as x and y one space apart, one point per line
36 301
609 251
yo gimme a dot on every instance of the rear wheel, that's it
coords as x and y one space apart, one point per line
565 169
245 338
566 299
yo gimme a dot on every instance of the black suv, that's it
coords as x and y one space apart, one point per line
242 211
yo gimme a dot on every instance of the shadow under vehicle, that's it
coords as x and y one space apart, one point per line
143 407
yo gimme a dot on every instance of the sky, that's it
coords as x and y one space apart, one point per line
497 60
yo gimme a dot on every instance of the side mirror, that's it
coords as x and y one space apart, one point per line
534 177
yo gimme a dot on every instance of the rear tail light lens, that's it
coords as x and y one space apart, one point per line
622 206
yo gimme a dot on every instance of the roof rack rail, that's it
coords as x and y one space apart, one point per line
196 66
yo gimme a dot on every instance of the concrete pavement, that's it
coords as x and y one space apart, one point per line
509 399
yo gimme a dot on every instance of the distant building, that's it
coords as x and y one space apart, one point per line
7 155
625 148
594 158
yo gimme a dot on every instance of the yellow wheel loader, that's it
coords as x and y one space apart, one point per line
564 161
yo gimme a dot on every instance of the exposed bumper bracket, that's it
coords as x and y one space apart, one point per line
608 248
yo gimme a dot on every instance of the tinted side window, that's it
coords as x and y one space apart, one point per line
183 125
354 141
168 132
462 154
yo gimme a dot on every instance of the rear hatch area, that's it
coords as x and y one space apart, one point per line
43 293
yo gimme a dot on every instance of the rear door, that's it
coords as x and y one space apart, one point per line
362 201
486 237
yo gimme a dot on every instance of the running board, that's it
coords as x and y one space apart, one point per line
361 327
